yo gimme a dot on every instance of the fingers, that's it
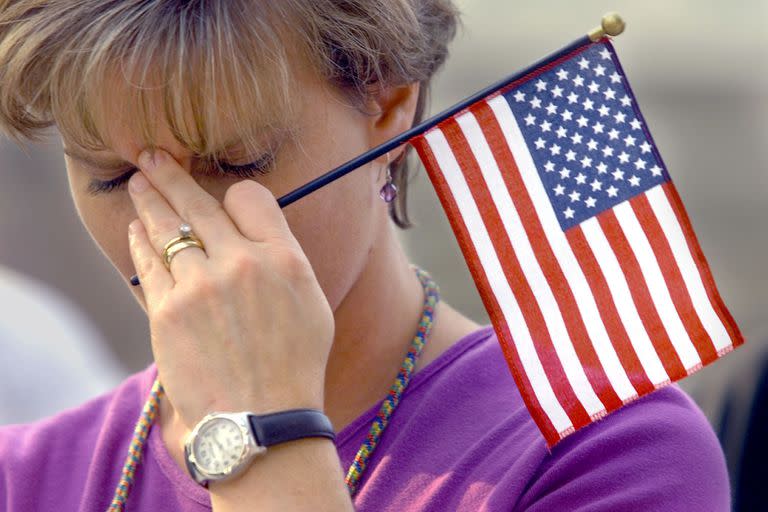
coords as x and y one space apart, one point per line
255 212
161 225
155 279
189 201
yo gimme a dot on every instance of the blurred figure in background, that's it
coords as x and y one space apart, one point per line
52 357
741 425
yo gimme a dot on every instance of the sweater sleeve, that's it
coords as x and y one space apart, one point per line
657 453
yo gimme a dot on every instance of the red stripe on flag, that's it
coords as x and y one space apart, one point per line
641 295
608 311
544 255
706 274
514 273
674 278
486 293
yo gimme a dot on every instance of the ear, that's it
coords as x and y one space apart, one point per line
393 111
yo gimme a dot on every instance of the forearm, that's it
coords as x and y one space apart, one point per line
300 475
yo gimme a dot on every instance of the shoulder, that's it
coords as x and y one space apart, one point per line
56 455
656 453
107 407
463 439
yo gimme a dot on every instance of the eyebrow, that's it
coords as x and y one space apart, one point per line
114 164
108 164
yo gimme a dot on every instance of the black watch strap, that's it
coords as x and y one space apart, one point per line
279 427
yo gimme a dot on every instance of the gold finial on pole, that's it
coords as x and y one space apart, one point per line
611 25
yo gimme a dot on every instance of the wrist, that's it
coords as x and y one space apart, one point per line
281 400
282 459
223 445
300 475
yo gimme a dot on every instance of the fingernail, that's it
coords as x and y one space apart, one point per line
135 280
138 182
146 160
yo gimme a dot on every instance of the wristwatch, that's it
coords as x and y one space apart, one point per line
223 444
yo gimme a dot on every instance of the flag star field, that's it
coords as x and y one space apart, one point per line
584 136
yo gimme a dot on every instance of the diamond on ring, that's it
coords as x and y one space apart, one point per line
185 239
185 230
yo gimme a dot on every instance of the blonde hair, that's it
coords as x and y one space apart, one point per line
58 59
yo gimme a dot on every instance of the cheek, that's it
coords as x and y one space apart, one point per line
336 229
336 225
106 217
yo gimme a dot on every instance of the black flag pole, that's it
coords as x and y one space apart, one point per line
611 25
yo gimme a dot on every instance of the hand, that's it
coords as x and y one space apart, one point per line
241 326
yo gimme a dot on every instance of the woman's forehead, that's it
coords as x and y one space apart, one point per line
206 108
127 118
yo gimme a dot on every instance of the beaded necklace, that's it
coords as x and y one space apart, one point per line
380 422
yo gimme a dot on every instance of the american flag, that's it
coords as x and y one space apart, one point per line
577 240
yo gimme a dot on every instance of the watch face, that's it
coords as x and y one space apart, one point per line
218 446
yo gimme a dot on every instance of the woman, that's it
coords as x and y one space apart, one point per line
307 311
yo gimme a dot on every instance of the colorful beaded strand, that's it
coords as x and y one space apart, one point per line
136 449
380 422
390 403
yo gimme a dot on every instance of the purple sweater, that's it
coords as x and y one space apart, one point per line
461 439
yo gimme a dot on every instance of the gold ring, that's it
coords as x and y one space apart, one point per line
179 243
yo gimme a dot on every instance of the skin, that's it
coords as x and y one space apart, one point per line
224 331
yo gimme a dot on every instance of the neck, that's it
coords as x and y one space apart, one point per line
375 324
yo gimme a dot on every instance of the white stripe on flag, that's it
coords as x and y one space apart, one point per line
622 298
530 266
657 286
498 281
562 250
701 303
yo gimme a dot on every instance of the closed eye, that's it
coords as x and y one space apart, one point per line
217 169
260 166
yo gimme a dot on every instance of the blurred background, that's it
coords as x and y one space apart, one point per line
699 70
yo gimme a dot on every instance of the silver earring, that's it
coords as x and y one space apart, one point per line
389 191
